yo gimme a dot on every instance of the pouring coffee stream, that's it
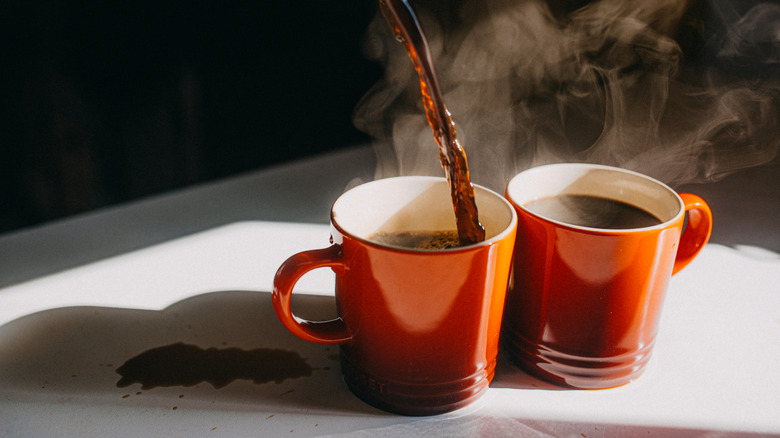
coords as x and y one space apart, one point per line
407 30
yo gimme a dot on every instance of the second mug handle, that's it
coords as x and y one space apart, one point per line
697 231
329 332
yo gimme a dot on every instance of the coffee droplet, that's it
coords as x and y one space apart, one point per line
187 365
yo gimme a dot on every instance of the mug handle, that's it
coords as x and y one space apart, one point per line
697 230
329 332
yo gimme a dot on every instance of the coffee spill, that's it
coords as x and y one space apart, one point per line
187 365
407 29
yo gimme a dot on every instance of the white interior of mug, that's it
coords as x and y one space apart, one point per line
594 180
415 203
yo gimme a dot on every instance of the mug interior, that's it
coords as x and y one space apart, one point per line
612 183
414 203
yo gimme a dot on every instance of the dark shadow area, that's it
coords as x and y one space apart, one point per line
108 102
86 354
221 346
509 375
75 357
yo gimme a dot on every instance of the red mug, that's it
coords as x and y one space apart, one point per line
418 329
590 274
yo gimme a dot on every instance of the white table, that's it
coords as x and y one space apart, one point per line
80 297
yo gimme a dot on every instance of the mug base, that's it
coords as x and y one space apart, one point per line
416 407
575 371
415 398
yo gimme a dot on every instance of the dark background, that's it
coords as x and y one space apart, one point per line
105 102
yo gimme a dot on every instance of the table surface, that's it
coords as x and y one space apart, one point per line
188 275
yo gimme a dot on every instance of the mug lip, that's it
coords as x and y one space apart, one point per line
595 230
510 228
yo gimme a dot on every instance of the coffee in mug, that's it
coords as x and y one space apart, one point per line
596 248
593 212
418 239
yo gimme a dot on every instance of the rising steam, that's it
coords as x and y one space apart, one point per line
684 91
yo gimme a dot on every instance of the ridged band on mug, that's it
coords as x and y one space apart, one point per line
576 371
403 397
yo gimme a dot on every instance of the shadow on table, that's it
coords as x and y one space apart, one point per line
221 347
226 349
508 375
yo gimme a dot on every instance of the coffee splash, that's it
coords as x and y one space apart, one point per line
406 27
684 91
182 364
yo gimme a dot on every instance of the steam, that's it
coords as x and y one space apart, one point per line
684 91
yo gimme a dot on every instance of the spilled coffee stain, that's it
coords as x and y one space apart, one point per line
182 364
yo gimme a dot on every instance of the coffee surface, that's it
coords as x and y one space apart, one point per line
593 212
431 240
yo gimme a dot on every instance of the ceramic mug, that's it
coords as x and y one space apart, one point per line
418 329
587 293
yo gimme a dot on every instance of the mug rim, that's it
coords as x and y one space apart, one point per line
509 227
514 181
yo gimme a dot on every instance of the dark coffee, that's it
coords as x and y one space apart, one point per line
430 240
182 364
593 212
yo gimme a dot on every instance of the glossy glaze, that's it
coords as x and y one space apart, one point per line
585 304
419 330
424 329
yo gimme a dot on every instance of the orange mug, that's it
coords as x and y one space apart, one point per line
596 247
418 329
